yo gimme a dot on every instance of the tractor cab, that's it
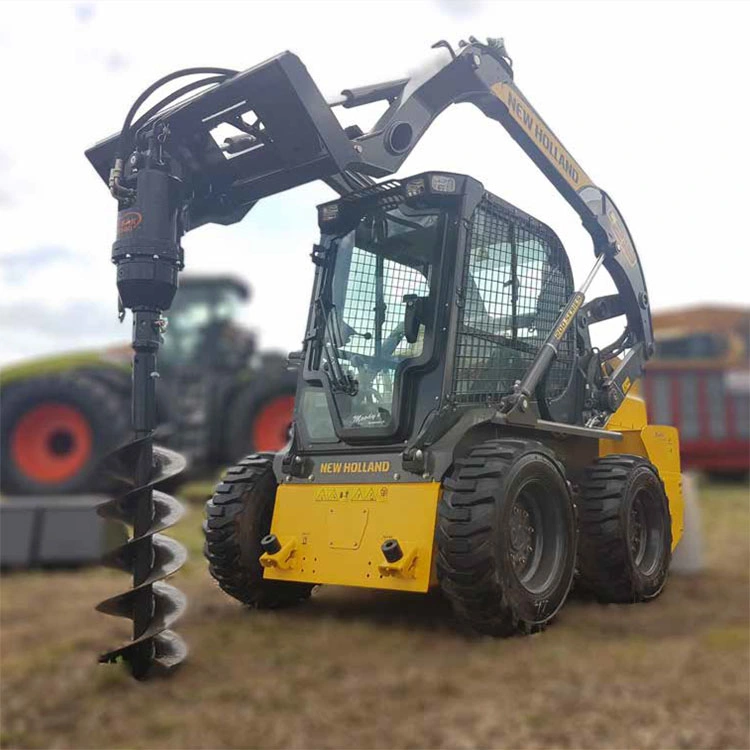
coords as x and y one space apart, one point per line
202 329
431 296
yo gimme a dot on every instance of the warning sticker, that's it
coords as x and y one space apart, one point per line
352 494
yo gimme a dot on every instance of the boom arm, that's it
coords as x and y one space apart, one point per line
482 75
293 137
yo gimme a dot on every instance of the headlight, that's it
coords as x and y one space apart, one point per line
329 212
442 183
414 188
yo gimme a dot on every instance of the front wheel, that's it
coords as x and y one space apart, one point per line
506 537
238 516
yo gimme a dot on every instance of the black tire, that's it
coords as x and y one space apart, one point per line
625 530
91 414
499 577
238 516
271 392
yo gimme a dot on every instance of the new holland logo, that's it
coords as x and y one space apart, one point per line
355 467
527 117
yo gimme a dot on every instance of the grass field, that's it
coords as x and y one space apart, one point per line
356 669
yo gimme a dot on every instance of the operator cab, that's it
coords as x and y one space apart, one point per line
202 329
431 295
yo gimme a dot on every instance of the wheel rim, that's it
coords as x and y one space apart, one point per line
270 430
536 540
638 535
51 443
646 532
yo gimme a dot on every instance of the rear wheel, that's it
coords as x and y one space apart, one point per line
625 530
506 537
54 431
238 516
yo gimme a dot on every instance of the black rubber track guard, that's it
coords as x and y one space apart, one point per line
473 544
605 559
238 516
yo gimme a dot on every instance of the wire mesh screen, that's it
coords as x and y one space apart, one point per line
516 281
375 289
362 305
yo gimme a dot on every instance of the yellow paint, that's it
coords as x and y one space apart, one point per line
346 524
661 445
566 321
338 531
405 567
622 238
545 140
284 559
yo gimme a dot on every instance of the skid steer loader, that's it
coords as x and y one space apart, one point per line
454 427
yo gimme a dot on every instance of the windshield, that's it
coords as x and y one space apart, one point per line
378 312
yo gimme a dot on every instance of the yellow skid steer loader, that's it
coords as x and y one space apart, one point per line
453 427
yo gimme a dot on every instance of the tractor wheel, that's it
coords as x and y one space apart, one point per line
54 432
238 516
506 537
260 415
625 530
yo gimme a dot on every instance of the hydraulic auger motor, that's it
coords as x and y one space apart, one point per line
148 258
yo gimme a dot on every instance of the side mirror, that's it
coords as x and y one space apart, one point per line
414 315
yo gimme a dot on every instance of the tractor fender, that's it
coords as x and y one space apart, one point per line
92 362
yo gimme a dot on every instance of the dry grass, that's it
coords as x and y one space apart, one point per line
361 669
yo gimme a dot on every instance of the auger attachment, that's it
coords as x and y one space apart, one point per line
148 258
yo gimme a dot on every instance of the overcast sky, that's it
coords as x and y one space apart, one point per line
650 98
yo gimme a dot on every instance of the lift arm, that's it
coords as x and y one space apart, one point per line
483 75
287 134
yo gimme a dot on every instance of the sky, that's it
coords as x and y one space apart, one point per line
650 98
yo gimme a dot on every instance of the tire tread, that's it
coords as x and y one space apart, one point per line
465 549
603 562
233 497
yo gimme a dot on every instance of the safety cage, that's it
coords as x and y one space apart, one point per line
511 280
516 279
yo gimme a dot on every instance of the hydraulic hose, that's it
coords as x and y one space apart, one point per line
126 126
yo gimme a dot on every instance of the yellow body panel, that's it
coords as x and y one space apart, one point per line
332 534
661 445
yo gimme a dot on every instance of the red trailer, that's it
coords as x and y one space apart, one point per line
699 381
